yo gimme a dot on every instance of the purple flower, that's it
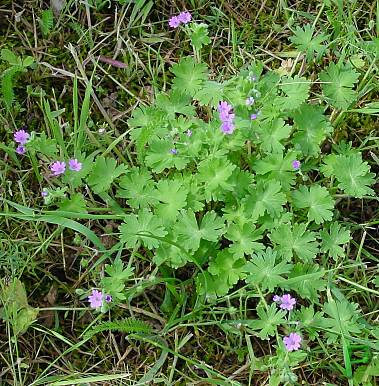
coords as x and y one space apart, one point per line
21 137
20 149
174 22
96 299
227 127
58 168
108 298
174 151
277 299
44 193
249 101
188 133
253 117
224 107
74 165
296 164
292 341
184 17
287 302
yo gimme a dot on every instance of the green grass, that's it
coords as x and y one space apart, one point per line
191 342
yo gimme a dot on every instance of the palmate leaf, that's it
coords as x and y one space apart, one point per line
228 267
353 174
296 91
343 318
76 203
214 174
333 238
270 133
317 200
306 280
266 270
212 93
265 198
159 157
268 321
277 168
339 82
175 103
199 35
144 227
312 128
172 196
306 41
245 239
189 76
295 240
190 233
104 172
138 188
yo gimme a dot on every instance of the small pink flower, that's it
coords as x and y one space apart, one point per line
21 137
57 168
292 341
44 193
276 299
174 22
227 127
188 133
296 164
174 151
96 299
287 302
74 165
253 117
20 149
184 17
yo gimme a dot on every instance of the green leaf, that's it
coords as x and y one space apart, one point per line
229 268
159 157
244 237
10 57
296 91
270 133
312 128
46 21
189 76
212 93
170 254
172 196
265 197
138 188
114 283
317 200
305 40
339 80
295 240
190 233
214 174
353 175
266 270
143 227
199 35
104 173
275 167
76 203
343 318
268 321
306 280
332 238
175 103
44 145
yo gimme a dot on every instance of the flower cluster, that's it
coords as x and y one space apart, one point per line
182 18
96 299
226 116
21 137
287 302
59 167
